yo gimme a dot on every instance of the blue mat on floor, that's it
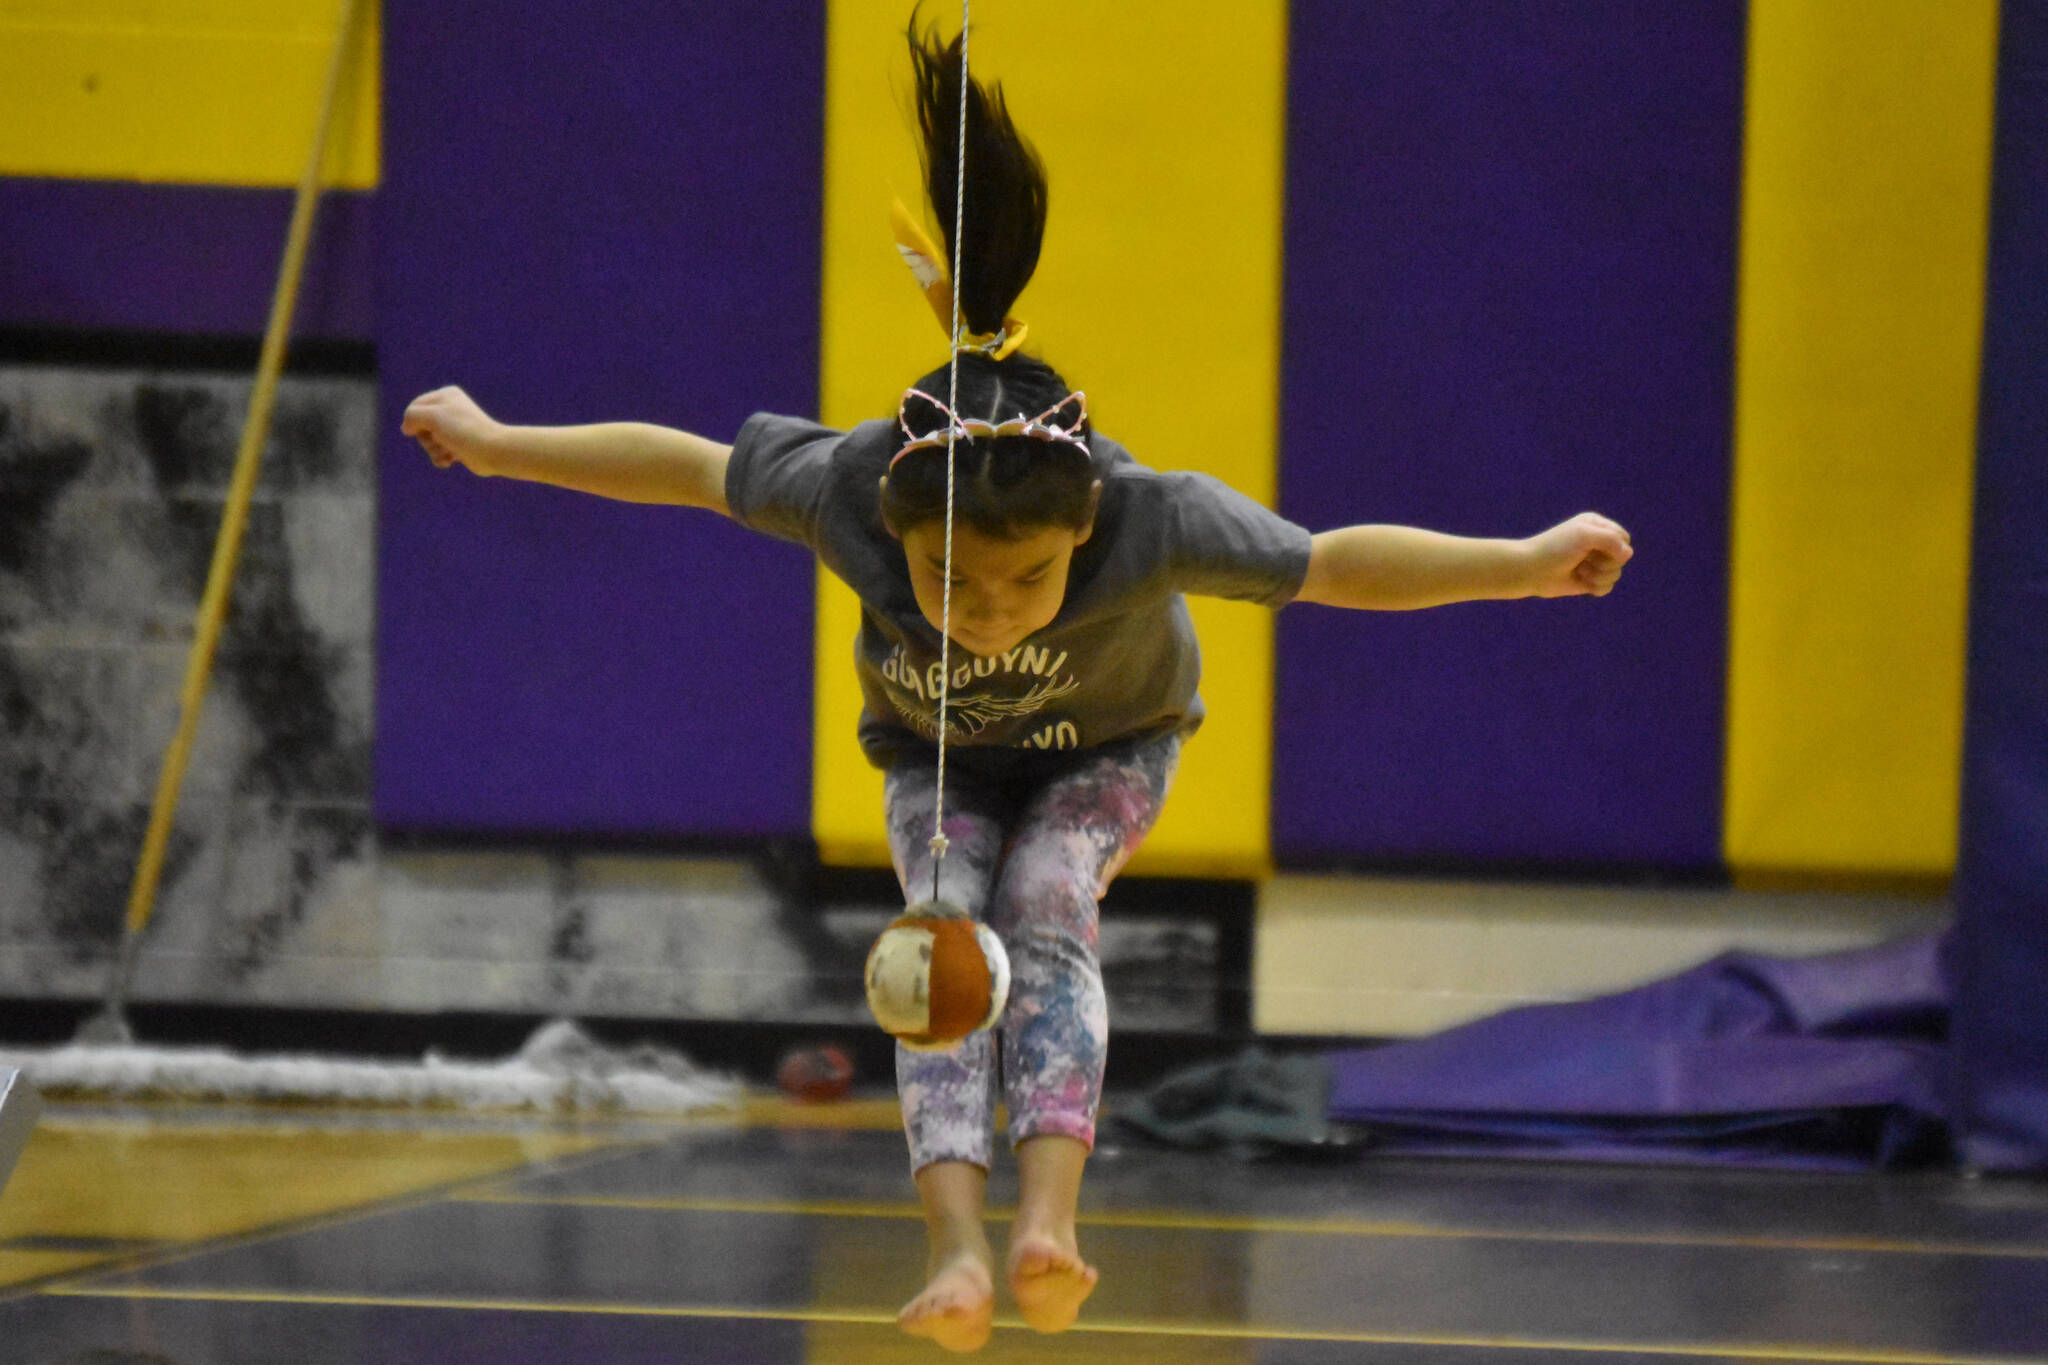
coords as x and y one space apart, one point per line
1829 1060
1835 1061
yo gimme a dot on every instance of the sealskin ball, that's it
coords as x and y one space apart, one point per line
934 976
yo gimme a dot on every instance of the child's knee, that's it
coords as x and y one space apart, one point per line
1045 913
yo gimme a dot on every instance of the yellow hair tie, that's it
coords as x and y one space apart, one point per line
929 267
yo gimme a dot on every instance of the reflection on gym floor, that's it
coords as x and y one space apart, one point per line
789 1234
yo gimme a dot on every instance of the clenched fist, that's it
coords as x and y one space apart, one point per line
1580 557
452 429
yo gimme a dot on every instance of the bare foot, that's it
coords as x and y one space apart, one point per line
1049 1279
957 1306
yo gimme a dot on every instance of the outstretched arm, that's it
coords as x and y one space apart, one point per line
630 461
1399 568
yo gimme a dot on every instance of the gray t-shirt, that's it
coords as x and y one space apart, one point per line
1118 662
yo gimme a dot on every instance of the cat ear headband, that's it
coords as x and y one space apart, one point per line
1066 420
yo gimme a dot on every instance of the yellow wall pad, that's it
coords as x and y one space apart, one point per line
137 1181
1403 956
1865 194
197 91
1158 293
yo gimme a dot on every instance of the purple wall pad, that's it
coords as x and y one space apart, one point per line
196 259
1510 297
595 212
2001 1026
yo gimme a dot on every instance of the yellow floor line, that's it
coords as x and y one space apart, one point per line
1197 1222
1832 1355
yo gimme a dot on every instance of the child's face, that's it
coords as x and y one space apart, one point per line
1002 589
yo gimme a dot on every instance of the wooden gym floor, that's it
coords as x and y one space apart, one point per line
205 1237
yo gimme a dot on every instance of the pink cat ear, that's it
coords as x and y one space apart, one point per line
1075 408
949 425
903 411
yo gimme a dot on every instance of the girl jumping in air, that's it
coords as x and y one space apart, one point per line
1067 712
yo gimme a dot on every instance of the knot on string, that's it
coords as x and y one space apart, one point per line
939 846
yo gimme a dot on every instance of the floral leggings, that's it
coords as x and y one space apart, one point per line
1032 856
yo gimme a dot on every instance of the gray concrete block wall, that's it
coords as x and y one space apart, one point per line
113 485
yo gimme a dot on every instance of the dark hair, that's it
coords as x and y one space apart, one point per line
1011 485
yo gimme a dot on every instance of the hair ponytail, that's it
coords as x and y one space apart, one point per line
1006 486
1006 191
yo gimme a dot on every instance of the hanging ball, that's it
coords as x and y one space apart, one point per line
935 976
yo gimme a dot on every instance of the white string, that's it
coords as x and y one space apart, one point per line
952 431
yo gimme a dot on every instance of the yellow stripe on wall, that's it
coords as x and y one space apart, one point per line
1158 292
220 92
1865 196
